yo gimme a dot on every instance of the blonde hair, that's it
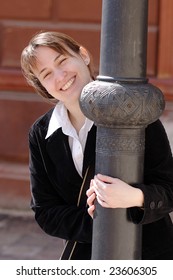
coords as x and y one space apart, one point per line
59 42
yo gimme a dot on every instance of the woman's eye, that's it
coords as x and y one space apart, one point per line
62 60
46 75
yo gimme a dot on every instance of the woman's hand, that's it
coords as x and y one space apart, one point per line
113 193
91 198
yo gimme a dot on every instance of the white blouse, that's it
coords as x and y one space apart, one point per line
77 142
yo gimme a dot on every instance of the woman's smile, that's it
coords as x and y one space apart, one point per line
68 84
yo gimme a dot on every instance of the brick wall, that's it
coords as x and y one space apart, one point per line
19 105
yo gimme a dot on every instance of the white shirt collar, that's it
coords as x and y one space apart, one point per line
60 118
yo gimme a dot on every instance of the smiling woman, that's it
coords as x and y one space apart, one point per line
62 142
62 157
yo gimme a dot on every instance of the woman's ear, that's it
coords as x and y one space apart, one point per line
84 54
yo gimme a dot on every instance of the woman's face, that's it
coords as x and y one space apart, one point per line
63 76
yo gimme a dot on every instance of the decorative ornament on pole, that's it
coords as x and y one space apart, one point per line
121 103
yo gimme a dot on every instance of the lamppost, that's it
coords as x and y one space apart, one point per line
122 103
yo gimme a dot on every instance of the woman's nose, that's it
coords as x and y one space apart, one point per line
60 75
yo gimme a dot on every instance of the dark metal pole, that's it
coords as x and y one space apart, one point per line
121 103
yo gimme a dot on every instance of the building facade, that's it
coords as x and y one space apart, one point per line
20 106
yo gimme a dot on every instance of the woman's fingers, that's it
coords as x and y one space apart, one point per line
105 178
90 191
91 198
91 210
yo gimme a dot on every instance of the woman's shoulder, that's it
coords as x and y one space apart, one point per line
41 124
156 129
157 138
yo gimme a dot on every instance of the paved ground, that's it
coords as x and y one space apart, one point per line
20 236
22 239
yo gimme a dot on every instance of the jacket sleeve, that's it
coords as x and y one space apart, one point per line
158 177
55 216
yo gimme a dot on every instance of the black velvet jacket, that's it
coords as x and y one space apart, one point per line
55 186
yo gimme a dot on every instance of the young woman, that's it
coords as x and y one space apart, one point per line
62 146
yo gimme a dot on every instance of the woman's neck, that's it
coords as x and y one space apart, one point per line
76 117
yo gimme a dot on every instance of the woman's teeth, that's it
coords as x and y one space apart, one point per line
68 84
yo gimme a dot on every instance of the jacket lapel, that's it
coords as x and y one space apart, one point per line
59 152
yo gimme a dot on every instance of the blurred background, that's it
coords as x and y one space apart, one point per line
20 106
